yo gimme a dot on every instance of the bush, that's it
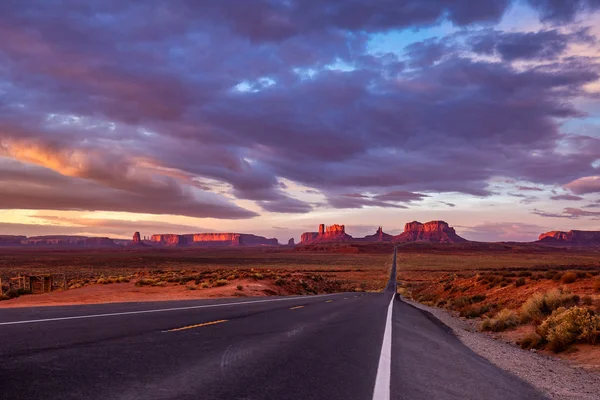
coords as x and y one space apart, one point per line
587 301
503 320
204 285
541 305
239 287
474 311
531 341
221 282
520 282
257 276
477 298
280 281
567 326
597 285
524 273
569 277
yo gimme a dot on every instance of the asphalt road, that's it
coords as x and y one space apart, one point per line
340 346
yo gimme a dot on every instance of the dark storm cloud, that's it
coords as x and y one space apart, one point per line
563 10
150 107
511 46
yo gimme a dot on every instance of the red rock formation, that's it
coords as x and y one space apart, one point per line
308 237
291 242
137 239
433 231
379 236
9 240
73 241
333 233
213 239
583 238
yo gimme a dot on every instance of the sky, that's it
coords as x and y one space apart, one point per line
273 116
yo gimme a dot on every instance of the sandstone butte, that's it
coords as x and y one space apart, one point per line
571 237
333 233
291 242
212 239
378 237
432 231
75 241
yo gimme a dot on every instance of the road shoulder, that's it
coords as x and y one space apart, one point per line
555 378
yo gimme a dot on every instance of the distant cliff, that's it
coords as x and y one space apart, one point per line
378 237
581 238
72 241
212 239
333 233
432 231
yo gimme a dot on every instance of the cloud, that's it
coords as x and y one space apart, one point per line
187 107
584 185
29 187
569 197
561 11
503 231
512 46
530 188
571 213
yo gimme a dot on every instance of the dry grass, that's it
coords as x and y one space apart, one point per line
567 326
541 305
505 319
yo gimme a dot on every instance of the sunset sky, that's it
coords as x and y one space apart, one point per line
270 117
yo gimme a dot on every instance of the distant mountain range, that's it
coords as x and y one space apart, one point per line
414 232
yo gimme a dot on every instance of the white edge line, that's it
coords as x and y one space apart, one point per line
162 310
382 381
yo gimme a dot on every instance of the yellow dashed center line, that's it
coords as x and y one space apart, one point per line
196 326
328 301
345 298
297 307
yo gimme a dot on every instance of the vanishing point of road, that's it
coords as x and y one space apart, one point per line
340 346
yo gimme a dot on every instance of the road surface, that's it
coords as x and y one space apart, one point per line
339 346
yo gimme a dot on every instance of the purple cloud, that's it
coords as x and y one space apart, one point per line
181 108
569 197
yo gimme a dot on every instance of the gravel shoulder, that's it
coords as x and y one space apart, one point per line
555 378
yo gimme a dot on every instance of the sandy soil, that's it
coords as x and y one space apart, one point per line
128 292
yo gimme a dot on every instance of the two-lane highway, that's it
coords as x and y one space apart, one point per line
339 346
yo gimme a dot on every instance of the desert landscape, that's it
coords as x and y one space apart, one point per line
524 293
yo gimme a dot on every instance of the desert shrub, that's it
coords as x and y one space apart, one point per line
581 275
557 277
569 277
474 311
567 326
550 274
102 281
14 293
280 281
503 320
232 277
540 305
257 276
146 282
531 341
239 287
520 282
221 282
205 285
597 285
587 301
448 287
477 298
524 273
